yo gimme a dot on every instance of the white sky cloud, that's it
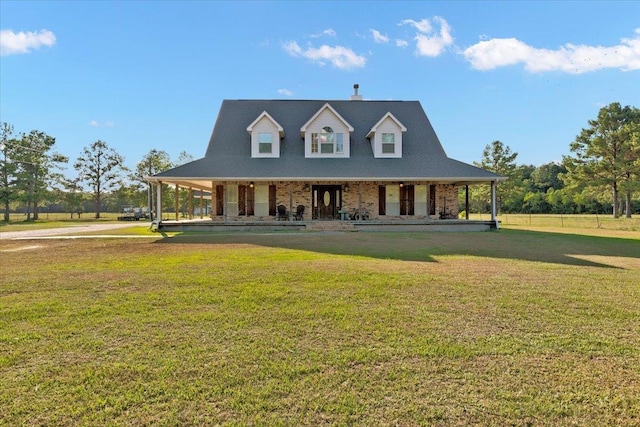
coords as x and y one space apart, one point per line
285 92
339 56
402 43
569 58
328 32
378 37
430 42
423 26
96 124
12 43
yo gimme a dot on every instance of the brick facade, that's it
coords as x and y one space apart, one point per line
355 196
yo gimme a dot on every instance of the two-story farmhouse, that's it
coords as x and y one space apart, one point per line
300 162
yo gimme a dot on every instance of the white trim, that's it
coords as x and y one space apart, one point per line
493 201
271 119
392 117
303 129
159 202
265 124
388 124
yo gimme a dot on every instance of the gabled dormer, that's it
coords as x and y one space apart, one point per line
386 137
266 135
326 134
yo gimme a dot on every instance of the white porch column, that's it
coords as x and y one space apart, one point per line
360 214
224 203
493 204
159 202
177 200
150 201
428 200
290 201
201 203
213 208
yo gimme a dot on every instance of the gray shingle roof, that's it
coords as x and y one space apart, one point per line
228 155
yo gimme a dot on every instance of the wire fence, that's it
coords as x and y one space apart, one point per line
566 221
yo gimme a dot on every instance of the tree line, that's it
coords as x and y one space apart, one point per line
32 177
602 175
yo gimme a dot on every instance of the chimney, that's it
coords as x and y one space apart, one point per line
355 96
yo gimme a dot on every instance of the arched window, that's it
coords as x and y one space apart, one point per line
327 142
326 135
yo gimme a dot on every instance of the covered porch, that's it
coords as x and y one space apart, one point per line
254 205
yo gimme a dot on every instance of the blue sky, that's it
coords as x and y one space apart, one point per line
145 74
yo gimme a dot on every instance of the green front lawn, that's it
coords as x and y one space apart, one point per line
509 328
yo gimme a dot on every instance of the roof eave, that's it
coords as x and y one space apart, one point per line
457 179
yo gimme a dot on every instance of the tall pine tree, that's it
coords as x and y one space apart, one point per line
606 155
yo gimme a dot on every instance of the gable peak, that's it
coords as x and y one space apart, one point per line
326 106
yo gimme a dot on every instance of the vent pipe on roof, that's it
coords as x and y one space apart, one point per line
355 96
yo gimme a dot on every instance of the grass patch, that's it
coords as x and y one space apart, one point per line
510 328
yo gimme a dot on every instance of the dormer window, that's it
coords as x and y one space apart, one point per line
327 142
386 137
326 134
266 134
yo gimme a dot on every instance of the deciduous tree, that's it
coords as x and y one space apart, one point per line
547 176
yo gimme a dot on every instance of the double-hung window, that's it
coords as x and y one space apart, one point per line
265 142
388 143
326 140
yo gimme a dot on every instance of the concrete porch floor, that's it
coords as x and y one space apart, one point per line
208 225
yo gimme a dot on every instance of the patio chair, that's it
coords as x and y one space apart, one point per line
282 213
360 214
299 216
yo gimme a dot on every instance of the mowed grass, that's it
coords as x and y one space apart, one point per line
516 327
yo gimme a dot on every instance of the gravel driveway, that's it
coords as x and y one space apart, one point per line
83 228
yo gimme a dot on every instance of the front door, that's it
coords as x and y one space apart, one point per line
327 200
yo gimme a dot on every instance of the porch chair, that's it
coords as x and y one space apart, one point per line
299 216
282 213
360 214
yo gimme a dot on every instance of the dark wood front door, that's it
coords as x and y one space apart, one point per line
327 200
